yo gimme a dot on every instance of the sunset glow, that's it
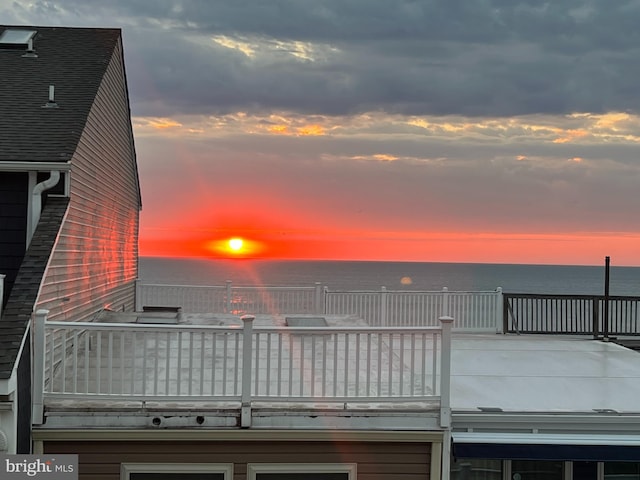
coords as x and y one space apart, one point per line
578 249
318 137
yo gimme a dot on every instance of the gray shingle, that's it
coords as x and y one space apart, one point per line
25 291
74 60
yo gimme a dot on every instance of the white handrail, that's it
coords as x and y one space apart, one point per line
473 310
234 363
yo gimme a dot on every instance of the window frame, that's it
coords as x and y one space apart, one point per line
126 469
254 469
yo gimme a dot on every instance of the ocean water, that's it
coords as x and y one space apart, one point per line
404 276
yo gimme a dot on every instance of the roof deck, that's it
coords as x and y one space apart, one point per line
338 370
243 371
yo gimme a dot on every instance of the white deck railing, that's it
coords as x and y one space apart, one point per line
231 299
473 311
125 361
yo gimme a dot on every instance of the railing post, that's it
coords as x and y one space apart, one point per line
445 372
499 319
318 301
505 313
445 302
383 306
325 300
228 298
138 299
595 316
247 368
605 305
38 356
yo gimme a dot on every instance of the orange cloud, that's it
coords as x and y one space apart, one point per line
571 135
162 123
385 158
279 129
311 130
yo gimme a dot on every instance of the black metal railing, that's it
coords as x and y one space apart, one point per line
595 315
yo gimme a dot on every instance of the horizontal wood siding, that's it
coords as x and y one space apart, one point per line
375 460
94 264
13 225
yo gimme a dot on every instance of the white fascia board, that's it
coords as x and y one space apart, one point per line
504 420
8 385
546 439
34 166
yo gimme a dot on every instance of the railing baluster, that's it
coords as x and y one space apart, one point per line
168 365
313 365
256 364
291 358
357 368
379 340
268 354
346 364
434 361
110 364
98 360
335 364
86 361
122 363
74 361
280 358
133 363
368 380
390 379
214 348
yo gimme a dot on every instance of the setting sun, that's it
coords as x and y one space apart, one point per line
235 244
236 247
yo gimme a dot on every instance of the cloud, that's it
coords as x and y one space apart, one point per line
334 57
515 117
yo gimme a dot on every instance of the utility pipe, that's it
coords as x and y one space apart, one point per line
36 201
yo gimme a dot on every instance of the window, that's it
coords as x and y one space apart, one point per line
176 471
301 471
621 471
537 470
476 469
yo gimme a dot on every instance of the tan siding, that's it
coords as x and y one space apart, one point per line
375 460
94 264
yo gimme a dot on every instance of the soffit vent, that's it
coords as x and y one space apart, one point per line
18 39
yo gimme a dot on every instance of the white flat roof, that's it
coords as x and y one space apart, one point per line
543 373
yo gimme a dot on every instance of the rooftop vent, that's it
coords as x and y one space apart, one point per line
51 103
14 38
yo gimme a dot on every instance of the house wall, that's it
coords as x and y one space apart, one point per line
375 460
13 225
94 263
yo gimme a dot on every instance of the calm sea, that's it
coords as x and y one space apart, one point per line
351 275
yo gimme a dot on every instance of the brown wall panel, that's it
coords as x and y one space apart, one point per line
375 460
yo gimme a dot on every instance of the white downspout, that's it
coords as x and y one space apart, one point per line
36 201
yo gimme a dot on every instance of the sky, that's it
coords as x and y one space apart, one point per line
493 131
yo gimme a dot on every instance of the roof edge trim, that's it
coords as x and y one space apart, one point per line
34 166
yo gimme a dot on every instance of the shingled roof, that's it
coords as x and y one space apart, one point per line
25 292
74 60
